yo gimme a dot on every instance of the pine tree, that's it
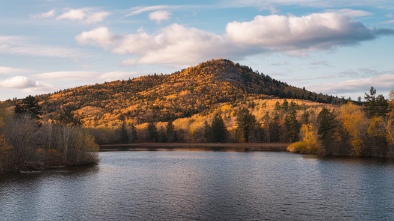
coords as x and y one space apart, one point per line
170 132
246 122
28 106
152 132
375 105
285 106
133 133
124 137
207 132
327 123
219 131
274 126
291 123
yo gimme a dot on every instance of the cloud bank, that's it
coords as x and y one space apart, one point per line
177 44
290 33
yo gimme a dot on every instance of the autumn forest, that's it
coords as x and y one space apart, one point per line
215 101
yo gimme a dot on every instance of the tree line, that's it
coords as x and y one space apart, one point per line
351 130
347 129
26 142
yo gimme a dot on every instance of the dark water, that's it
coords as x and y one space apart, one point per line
181 185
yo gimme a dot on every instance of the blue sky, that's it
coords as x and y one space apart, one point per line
338 47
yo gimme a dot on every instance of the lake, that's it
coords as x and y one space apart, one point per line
198 185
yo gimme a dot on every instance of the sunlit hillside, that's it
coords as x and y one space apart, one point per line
187 94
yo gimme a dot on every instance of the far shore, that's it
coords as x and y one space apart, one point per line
240 147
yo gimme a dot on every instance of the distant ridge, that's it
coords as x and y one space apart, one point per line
167 97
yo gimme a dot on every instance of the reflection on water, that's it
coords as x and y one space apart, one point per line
190 185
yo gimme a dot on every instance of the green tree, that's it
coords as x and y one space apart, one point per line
152 132
124 137
285 105
29 106
170 132
207 132
327 123
267 132
375 105
291 123
162 136
305 117
219 131
246 122
275 127
67 117
133 133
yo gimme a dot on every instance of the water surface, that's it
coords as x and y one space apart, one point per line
191 185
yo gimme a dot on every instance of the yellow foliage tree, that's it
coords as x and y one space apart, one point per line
353 120
309 136
309 143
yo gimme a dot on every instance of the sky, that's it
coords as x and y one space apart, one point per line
336 47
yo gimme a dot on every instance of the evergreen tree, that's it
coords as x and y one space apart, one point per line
375 106
162 136
207 132
327 123
292 125
152 132
219 131
67 117
124 137
133 133
28 106
285 106
170 132
267 133
274 126
246 122
305 117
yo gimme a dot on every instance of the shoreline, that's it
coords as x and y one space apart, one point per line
239 147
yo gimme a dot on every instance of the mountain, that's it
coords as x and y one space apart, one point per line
161 97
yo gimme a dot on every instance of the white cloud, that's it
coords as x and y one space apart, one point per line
139 10
101 37
48 14
307 3
84 76
180 45
11 70
351 12
96 17
73 14
177 45
26 83
85 15
290 33
382 82
67 75
112 76
159 16
17 45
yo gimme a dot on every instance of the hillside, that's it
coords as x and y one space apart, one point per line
194 90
